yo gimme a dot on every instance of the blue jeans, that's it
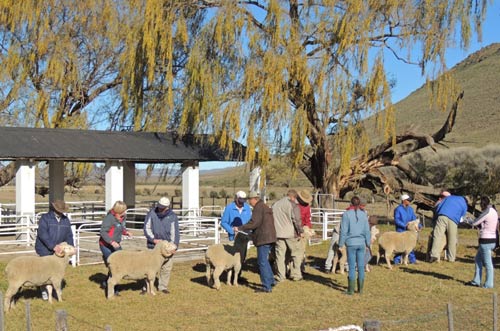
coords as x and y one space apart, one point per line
266 273
411 258
483 258
106 252
356 256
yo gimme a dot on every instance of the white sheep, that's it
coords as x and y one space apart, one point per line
136 265
221 257
37 271
398 242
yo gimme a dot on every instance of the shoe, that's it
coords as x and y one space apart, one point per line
471 283
165 291
433 259
263 290
45 295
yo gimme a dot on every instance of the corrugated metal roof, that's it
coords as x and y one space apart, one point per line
98 146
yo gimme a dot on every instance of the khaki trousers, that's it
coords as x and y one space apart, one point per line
445 229
294 247
164 274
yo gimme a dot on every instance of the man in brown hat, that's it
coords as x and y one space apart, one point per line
54 228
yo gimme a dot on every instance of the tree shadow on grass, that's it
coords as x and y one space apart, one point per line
426 273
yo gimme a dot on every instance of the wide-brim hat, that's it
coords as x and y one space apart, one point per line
253 194
305 196
60 206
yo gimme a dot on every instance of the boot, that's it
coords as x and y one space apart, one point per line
351 285
361 283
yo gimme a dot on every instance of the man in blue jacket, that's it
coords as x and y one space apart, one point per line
236 214
161 223
403 214
450 212
54 228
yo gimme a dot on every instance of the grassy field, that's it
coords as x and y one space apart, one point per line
406 298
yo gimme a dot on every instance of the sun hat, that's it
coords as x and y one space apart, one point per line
60 206
164 202
305 196
405 197
241 195
253 194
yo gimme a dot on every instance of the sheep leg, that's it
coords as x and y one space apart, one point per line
335 260
388 257
229 275
405 259
58 290
208 273
217 272
150 285
343 261
49 292
11 291
111 287
237 269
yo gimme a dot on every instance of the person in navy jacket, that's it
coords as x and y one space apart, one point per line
403 214
54 228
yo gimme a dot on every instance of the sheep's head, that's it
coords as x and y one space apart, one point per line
413 225
374 231
66 250
167 248
308 232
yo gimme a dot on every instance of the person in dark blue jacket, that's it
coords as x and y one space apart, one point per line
403 214
161 223
450 213
54 228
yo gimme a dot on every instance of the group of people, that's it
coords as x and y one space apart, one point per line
161 223
277 231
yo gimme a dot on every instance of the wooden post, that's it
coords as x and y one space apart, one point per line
371 325
450 318
28 316
61 320
495 312
2 318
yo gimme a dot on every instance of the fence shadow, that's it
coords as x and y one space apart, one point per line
426 273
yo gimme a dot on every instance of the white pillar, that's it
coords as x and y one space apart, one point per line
129 184
56 180
25 187
191 185
114 183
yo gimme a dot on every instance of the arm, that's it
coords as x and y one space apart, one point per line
43 232
174 231
69 235
481 218
398 219
255 222
343 229
297 219
107 224
225 222
148 231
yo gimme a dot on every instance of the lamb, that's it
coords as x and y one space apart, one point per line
136 265
37 271
398 242
220 257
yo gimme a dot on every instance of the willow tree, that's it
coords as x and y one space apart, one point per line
92 64
302 74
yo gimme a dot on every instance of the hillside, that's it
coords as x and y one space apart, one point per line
478 116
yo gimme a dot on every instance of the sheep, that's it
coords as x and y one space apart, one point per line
136 265
37 271
220 257
398 242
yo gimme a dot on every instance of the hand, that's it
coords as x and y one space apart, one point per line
115 244
58 249
235 229
129 234
155 241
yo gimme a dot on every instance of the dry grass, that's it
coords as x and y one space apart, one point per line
407 298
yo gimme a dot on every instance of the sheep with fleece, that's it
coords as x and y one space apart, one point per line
37 271
136 265
398 242
221 257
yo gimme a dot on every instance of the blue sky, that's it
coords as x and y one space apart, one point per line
408 77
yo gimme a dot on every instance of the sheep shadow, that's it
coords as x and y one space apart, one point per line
425 273
133 285
326 281
34 292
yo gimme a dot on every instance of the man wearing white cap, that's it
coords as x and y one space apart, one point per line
403 214
237 213
161 223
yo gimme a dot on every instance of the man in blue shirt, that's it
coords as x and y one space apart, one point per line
236 214
403 214
450 212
